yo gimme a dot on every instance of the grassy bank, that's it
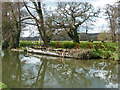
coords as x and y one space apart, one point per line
103 50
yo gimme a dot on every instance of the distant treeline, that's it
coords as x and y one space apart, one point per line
60 37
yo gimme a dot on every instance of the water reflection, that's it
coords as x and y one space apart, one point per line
23 70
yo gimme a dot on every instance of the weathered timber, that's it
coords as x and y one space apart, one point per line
50 53
17 50
73 53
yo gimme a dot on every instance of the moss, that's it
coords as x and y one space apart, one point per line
2 85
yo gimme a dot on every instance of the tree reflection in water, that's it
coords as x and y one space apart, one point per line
20 70
11 69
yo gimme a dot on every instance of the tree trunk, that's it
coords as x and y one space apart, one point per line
5 44
15 38
74 35
18 39
87 32
113 29
113 36
45 42
43 30
18 27
119 48
119 33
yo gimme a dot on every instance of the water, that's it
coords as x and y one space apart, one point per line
21 70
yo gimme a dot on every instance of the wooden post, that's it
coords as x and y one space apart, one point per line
63 54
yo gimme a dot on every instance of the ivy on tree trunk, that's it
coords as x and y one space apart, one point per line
74 35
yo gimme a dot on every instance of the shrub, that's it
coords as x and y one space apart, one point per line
69 45
96 46
96 55
53 44
25 43
28 43
85 44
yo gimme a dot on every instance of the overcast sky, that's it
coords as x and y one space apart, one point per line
100 25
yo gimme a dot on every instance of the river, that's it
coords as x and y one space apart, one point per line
24 70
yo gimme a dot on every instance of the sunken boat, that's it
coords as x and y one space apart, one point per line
64 53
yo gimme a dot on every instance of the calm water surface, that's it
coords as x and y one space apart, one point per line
21 70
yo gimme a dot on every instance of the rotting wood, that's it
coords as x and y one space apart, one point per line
72 53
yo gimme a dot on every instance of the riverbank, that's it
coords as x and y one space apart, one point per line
84 50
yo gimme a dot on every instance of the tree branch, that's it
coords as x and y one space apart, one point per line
30 12
30 23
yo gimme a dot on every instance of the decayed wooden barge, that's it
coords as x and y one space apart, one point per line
54 52
65 53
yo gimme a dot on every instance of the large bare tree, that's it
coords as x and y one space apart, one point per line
70 16
12 15
111 13
39 19
119 30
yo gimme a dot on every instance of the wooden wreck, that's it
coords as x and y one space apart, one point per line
65 53
53 52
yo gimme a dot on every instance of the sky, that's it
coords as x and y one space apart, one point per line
99 26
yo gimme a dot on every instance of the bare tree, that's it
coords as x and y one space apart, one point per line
49 26
12 15
70 16
119 31
111 13
39 20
